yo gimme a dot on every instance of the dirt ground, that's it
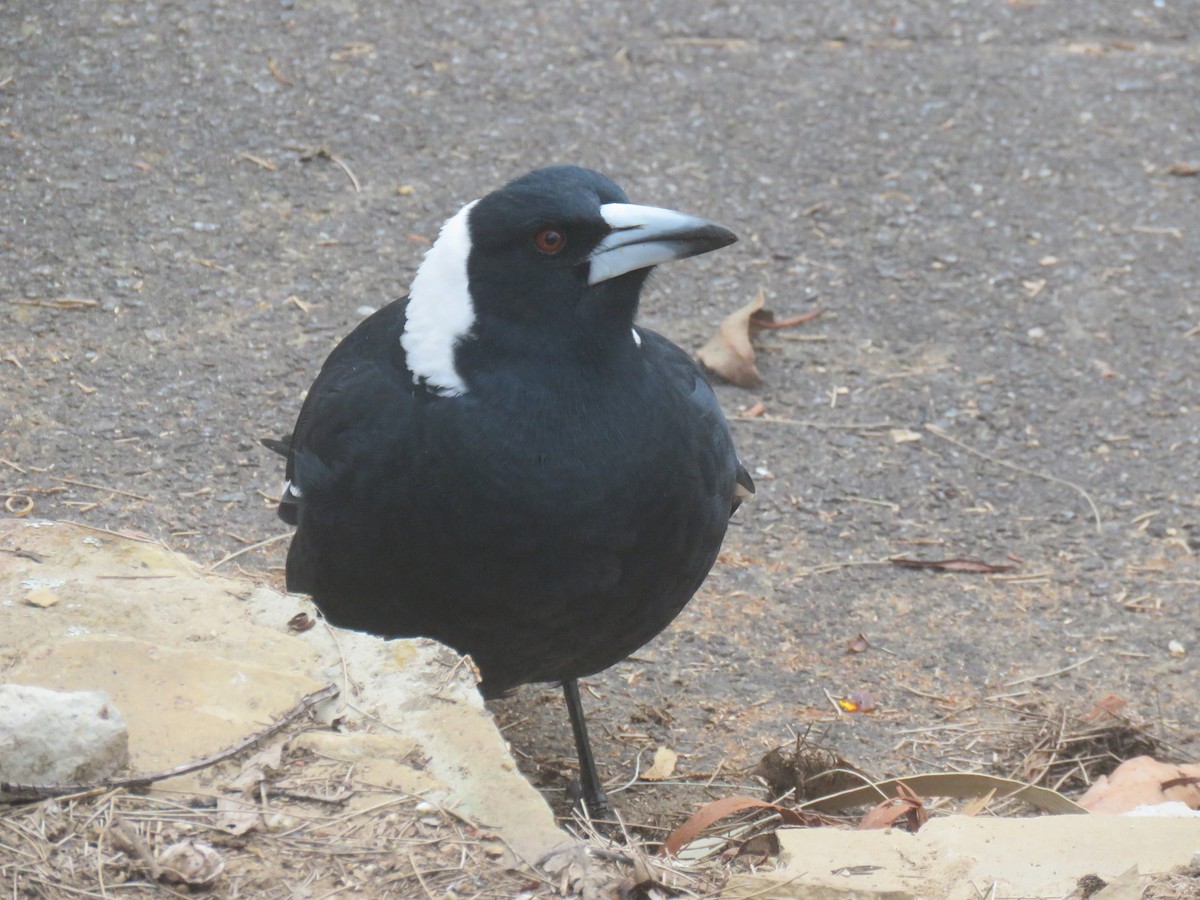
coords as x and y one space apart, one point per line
994 203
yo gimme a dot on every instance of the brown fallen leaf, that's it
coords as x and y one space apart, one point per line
951 565
906 806
190 862
765 319
729 354
1106 707
1183 169
859 644
663 766
1143 781
711 813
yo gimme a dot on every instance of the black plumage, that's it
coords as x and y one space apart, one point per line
551 486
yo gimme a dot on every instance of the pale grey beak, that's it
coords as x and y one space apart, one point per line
644 236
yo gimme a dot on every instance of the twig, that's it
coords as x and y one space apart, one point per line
127 535
1026 680
324 153
237 553
100 487
809 423
35 791
937 432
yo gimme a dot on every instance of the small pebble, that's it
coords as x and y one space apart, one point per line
42 598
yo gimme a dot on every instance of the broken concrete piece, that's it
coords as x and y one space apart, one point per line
199 661
59 737
957 857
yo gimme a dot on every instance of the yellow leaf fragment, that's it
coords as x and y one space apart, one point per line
663 766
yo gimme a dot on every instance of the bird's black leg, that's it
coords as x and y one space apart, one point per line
595 801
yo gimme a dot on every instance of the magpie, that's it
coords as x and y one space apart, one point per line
503 461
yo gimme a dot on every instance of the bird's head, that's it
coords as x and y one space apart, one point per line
550 264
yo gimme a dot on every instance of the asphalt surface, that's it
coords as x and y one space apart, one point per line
994 203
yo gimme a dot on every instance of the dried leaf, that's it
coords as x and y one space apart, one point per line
1143 781
978 805
729 354
1105 708
301 621
711 813
949 784
765 319
236 816
886 814
904 436
755 411
859 644
191 862
952 565
1183 169
663 766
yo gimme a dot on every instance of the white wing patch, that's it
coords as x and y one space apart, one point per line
637 338
440 311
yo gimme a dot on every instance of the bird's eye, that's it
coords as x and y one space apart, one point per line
550 240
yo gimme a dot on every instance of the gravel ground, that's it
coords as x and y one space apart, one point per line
995 204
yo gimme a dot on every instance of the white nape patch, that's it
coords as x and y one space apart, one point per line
637 338
440 311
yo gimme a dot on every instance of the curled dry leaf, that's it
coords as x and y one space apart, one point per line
192 863
300 622
663 766
859 644
730 355
236 816
711 813
906 806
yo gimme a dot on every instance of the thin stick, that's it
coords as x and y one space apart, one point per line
55 790
237 553
100 487
934 430
127 535
345 168
1082 662
809 423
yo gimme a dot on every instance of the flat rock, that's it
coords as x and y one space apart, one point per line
59 737
959 857
198 661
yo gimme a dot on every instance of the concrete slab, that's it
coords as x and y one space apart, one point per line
957 857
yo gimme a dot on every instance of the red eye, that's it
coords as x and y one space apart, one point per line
550 240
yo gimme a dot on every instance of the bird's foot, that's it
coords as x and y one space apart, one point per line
595 808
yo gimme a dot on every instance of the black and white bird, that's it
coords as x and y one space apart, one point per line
503 461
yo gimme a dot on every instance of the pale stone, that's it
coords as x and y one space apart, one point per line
59 737
198 661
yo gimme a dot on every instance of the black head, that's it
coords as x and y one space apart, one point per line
550 264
